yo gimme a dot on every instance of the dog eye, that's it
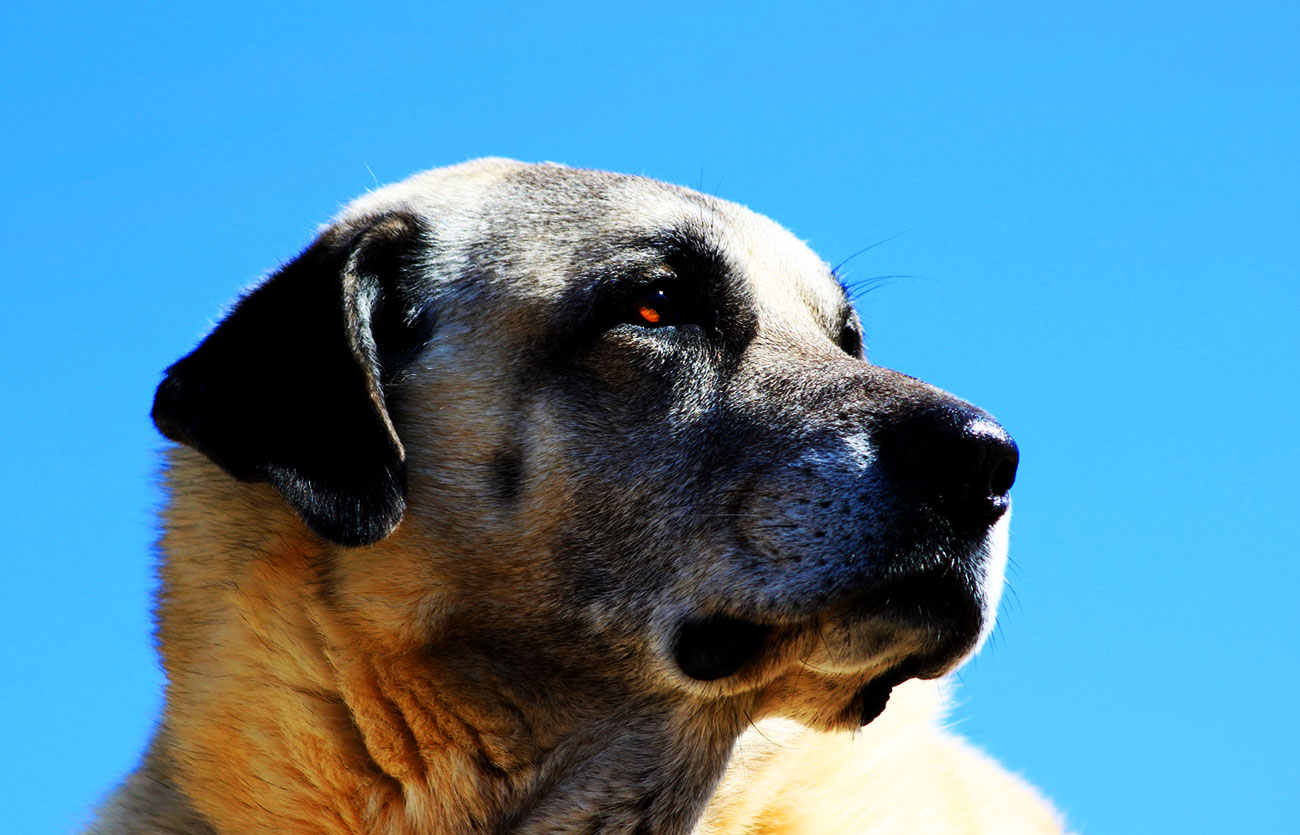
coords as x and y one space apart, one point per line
850 340
657 307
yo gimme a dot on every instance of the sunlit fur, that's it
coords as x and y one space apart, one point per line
503 659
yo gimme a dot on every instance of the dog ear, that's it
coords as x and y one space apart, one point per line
290 388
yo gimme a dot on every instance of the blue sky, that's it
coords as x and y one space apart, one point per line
1098 208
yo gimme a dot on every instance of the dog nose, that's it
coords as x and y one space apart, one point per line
955 458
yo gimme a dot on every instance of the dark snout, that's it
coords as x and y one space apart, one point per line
952 457
875 538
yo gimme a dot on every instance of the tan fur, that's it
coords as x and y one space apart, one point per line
444 679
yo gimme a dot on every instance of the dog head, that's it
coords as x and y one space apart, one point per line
615 442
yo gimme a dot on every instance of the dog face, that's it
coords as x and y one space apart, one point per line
612 445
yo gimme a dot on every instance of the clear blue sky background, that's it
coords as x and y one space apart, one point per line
1101 207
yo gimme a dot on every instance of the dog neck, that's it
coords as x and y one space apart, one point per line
284 712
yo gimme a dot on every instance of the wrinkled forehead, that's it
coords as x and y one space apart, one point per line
550 223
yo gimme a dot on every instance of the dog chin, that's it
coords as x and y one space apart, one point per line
933 620
836 668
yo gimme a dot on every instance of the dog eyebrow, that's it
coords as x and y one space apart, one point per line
691 244
689 249
614 265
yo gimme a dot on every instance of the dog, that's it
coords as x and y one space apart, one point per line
536 499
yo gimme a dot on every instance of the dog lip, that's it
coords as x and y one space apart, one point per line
872 698
939 601
718 646
871 701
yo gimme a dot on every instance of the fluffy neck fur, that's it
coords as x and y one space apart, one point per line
286 712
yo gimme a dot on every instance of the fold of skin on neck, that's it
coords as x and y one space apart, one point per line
288 708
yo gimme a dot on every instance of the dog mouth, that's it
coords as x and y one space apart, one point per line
721 647
718 647
847 658
872 698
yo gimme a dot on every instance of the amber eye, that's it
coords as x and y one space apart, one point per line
655 309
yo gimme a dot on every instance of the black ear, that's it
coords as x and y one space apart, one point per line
290 387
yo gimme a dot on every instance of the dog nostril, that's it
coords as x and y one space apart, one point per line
955 458
1004 475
